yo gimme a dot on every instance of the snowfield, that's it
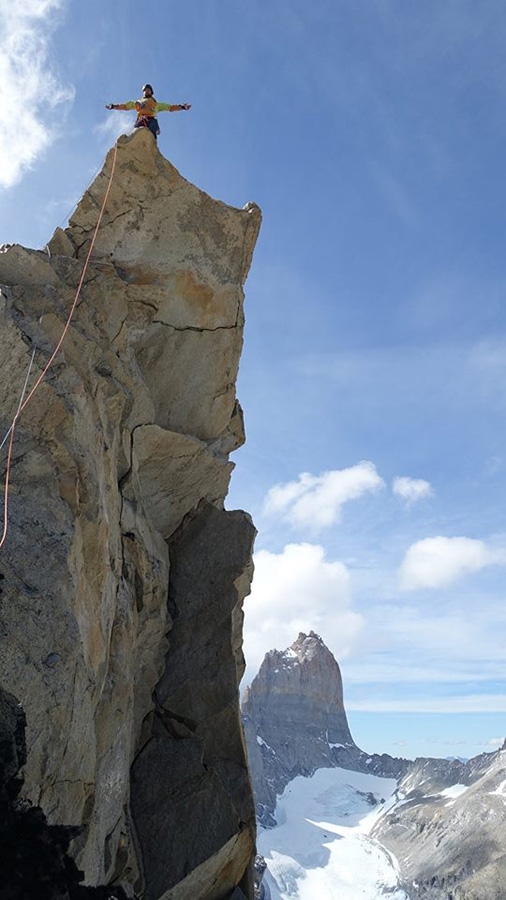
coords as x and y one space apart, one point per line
321 849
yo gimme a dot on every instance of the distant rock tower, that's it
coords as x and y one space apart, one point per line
294 718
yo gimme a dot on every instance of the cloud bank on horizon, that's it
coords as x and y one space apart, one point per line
25 66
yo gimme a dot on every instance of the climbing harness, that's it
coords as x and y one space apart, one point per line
24 401
150 122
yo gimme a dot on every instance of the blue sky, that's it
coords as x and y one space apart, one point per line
372 134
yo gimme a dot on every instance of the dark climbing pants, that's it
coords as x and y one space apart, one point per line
151 123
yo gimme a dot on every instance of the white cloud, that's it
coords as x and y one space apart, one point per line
411 489
439 561
315 501
115 124
298 590
25 71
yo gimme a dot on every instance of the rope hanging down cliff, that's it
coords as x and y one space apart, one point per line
24 401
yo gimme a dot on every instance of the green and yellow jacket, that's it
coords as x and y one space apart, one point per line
147 107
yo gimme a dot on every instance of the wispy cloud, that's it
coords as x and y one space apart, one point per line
438 562
398 676
115 124
298 590
411 489
443 644
26 71
394 193
315 501
495 743
472 703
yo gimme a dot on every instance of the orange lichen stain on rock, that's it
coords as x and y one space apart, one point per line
138 274
199 295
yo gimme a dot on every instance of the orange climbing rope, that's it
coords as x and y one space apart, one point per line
24 402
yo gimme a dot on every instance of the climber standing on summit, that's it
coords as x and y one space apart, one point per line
147 108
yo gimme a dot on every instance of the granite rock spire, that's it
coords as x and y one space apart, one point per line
121 466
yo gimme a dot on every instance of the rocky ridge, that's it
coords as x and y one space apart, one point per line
122 577
447 828
447 832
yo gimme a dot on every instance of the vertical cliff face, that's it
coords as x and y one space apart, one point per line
297 698
119 475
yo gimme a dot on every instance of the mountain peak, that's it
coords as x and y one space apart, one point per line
307 679
308 670
294 716
308 643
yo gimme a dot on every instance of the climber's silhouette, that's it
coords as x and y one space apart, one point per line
147 108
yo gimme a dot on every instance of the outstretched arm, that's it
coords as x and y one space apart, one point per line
172 107
128 105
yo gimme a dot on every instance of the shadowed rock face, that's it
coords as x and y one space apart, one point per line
195 732
34 862
128 435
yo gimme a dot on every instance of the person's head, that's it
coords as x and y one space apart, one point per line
147 90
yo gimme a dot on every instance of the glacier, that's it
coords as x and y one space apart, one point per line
321 848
